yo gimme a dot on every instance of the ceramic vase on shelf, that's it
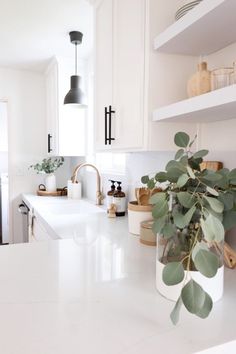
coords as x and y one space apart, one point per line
200 82
175 250
50 183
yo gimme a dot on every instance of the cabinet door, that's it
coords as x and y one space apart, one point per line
103 68
65 124
3 127
128 73
39 233
52 108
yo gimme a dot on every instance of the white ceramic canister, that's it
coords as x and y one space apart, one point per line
137 214
50 183
76 190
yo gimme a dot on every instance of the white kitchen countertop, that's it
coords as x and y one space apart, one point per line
68 218
70 297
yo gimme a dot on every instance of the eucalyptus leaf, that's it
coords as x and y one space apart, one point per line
200 153
159 224
227 199
181 221
206 308
212 228
145 179
169 230
207 263
193 296
233 181
184 160
186 199
215 204
199 246
172 164
182 139
212 191
175 312
208 211
161 177
182 180
151 184
224 182
160 209
229 219
173 273
193 141
232 174
190 172
179 154
157 198
213 176
173 174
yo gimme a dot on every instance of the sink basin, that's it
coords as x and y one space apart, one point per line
75 207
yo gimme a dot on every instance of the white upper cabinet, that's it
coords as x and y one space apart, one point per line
119 74
65 124
131 79
103 68
3 127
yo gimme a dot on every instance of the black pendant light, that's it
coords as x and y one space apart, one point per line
75 96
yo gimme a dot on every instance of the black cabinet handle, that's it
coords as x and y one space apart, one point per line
106 114
49 143
110 139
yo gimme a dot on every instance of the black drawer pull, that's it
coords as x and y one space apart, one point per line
49 143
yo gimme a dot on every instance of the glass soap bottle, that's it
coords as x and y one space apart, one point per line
119 200
110 194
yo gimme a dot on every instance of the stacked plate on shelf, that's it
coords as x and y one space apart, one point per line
186 8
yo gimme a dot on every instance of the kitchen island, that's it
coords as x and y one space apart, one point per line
71 296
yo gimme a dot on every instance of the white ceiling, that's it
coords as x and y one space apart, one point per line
31 32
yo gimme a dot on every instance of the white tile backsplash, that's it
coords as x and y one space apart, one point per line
137 165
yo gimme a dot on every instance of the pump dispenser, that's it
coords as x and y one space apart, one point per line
119 200
110 194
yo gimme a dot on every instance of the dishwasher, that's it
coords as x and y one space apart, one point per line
24 210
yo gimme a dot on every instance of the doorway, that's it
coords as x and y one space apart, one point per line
4 189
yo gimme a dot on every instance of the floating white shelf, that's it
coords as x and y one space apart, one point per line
213 106
207 28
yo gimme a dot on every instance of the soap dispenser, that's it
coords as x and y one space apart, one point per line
119 200
110 195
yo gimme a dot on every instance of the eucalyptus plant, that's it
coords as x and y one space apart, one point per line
195 208
49 165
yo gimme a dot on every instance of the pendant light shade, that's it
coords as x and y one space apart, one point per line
75 95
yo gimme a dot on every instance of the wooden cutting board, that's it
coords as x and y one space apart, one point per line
211 165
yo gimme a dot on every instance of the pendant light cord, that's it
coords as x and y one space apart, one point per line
75 58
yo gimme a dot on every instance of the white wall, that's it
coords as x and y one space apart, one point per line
3 162
25 93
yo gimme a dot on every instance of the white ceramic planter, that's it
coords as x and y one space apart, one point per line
50 183
213 286
137 214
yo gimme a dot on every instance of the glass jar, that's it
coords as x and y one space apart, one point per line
177 248
221 78
233 76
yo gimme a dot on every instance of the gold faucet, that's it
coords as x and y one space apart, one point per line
99 196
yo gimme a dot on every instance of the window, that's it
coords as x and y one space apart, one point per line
111 162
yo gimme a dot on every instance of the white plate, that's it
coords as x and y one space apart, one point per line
186 8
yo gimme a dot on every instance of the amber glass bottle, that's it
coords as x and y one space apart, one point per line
119 200
110 194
